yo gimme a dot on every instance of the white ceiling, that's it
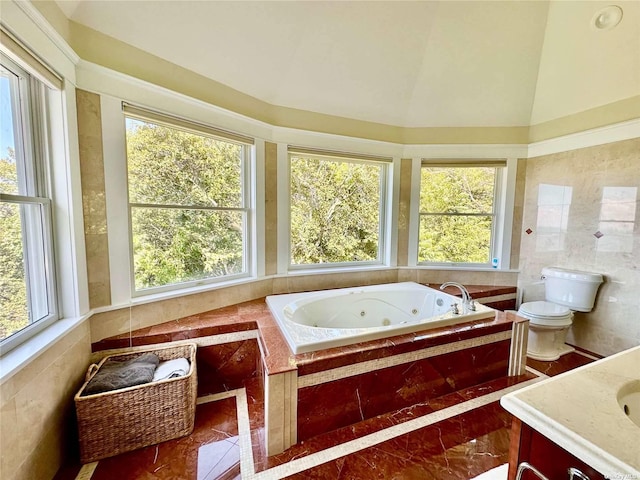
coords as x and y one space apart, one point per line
410 64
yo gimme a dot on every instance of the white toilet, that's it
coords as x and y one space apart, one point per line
566 291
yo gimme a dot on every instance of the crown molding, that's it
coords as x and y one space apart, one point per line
52 34
589 138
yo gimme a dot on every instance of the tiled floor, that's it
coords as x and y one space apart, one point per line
457 437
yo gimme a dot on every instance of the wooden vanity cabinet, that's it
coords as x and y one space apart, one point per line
527 445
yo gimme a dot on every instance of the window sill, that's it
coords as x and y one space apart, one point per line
463 268
329 270
170 294
19 357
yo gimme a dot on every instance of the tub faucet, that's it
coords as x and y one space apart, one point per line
466 298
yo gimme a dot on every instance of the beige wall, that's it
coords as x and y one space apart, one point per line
93 197
568 198
37 417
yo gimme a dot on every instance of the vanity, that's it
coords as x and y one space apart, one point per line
584 424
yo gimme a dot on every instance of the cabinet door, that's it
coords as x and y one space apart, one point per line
527 445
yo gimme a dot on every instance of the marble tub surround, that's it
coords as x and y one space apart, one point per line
148 312
346 401
498 297
284 374
579 411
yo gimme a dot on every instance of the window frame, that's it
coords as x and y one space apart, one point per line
498 232
32 145
246 197
386 202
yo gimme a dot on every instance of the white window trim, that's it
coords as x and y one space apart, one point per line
119 230
388 192
32 118
502 224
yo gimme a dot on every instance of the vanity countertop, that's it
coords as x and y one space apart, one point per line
579 411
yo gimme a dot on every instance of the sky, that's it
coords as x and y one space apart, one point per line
6 125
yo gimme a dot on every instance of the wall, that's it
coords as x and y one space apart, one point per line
93 197
37 419
569 198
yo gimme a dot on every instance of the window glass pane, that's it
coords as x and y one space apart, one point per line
457 190
27 273
173 245
23 285
335 211
13 285
169 166
8 165
455 238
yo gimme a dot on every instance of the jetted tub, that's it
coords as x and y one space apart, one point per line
332 318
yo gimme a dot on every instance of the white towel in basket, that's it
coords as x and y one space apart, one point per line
178 367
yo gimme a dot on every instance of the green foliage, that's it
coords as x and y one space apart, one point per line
170 167
466 195
335 211
13 289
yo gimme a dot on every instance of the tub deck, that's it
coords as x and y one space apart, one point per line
312 393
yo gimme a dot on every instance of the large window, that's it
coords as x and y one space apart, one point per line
458 213
188 202
27 274
337 209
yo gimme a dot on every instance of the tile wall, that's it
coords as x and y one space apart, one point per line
93 198
37 416
581 212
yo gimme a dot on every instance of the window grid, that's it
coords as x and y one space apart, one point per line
29 269
198 212
491 215
380 164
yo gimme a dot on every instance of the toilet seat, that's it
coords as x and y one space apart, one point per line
546 314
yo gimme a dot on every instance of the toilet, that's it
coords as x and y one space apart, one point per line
566 291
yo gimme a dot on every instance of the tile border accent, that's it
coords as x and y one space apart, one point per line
518 351
86 471
496 298
380 363
332 453
247 466
199 341
280 411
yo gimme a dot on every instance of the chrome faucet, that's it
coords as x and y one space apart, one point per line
467 301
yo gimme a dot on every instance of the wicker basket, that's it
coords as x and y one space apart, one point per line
118 421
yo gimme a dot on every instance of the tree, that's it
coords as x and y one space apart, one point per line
13 289
173 173
335 211
456 206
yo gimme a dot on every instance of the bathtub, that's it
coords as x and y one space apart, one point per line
333 318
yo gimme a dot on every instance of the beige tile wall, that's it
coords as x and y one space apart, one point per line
518 209
271 208
404 211
37 429
93 197
601 194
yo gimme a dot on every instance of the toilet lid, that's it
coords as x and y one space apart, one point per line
544 309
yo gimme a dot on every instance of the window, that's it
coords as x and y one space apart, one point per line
458 212
188 202
27 273
337 208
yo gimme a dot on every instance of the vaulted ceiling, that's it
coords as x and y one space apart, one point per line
409 64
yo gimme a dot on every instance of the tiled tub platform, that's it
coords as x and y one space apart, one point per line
309 394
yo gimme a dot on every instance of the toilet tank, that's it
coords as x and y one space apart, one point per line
571 288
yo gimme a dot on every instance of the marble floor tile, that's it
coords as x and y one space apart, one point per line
563 364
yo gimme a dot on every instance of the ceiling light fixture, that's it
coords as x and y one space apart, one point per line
607 18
